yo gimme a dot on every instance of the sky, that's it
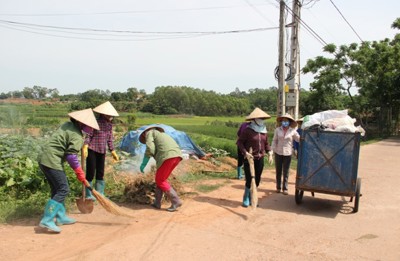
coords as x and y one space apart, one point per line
129 43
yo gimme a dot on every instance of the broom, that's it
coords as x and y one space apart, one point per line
108 205
253 187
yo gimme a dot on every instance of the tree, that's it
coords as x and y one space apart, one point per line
371 68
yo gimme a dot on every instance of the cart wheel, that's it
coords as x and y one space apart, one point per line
298 196
357 197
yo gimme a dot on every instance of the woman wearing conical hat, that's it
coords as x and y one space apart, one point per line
167 154
282 145
95 147
255 137
64 145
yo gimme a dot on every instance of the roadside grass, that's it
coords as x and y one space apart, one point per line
12 209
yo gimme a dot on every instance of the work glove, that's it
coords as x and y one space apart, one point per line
85 150
115 156
144 163
248 155
270 157
80 174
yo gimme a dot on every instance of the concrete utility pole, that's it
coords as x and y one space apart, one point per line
292 99
281 106
288 93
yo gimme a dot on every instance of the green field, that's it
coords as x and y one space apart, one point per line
210 133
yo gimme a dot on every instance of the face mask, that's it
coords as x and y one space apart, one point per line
285 124
259 122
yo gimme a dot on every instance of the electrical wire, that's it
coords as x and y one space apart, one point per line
344 18
127 35
307 27
128 12
260 13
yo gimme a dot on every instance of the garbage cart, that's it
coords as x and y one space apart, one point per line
328 163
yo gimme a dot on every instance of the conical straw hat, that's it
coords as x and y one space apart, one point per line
106 109
86 117
142 138
293 123
257 114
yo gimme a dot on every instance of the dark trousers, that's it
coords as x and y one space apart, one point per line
95 165
258 168
58 183
240 158
282 164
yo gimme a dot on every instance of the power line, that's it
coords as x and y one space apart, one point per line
128 12
259 12
344 18
307 27
127 35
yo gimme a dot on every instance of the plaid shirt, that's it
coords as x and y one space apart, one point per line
98 139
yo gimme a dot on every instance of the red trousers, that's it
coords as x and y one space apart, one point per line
164 171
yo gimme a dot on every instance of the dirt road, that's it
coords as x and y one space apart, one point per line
214 226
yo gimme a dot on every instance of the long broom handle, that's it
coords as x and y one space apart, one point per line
251 163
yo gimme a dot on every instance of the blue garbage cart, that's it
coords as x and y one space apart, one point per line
328 163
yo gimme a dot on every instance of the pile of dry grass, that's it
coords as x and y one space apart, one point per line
141 189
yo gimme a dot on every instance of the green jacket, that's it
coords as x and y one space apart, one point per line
161 146
68 139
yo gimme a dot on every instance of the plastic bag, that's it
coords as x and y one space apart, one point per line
319 117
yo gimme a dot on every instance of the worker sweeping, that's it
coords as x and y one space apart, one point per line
95 147
167 155
255 137
64 145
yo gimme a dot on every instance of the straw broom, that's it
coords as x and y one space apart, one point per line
108 205
253 187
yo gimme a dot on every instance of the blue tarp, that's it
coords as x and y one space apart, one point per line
130 143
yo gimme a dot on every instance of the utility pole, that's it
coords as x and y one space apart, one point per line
281 106
292 99
288 86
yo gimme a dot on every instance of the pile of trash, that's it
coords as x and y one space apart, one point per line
332 120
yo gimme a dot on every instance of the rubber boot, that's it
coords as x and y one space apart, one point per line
246 197
62 218
239 172
176 202
100 185
89 194
158 197
50 211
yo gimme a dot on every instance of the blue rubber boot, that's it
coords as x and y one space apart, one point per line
50 211
89 194
62 218
246 197
239 172
100 185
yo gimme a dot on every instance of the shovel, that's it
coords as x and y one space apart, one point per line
85 205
